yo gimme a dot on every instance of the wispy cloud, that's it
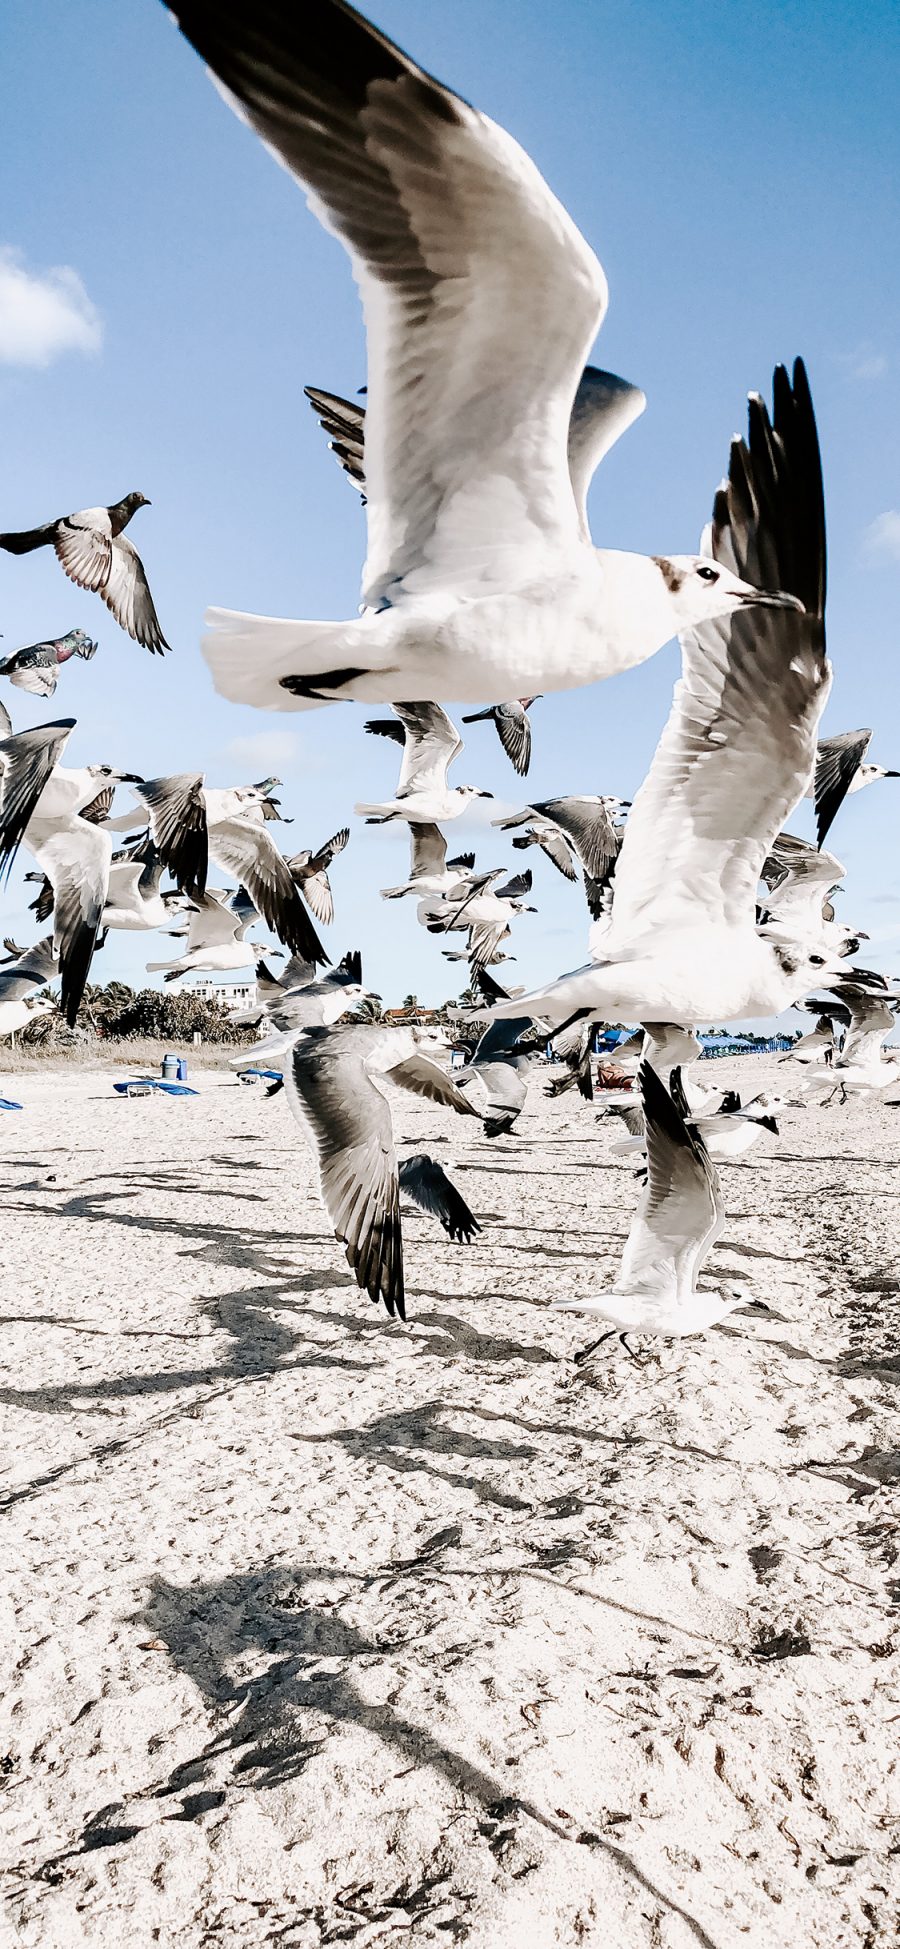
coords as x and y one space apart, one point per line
882 537
263 750
866 362
43 313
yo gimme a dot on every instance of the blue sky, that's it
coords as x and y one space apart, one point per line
735 168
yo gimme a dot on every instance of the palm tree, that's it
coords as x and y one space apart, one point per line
369 1010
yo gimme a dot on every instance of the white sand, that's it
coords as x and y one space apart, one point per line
324 1631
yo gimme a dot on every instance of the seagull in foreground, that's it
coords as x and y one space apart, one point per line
839 771
430 744
42 805
334 1086
36 668
191 821
344 422
96 554
680 1215
309 872
482 301
682 944
20 977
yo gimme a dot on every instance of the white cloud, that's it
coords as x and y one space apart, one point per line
865 362
43 313
882 537
263 750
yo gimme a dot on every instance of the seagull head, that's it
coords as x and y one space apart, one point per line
700 590
474 792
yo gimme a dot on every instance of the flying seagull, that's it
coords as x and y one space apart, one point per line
586 825
95 553
430 744
334 1085
840 770
682 944
430 871
680 1215
21 976
217 928
292 1005
309 872
192 822
41 806
482 301
36 668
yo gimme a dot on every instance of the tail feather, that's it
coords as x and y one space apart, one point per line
254 659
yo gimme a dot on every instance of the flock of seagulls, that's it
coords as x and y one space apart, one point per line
482 428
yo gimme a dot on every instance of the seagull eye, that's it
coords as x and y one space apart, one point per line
817 960
708 574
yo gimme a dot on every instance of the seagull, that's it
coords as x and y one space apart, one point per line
818 1046
540 832
42 805
481 905
430 871
680 1215
430 744
292 1005
191 821
839 771
682 944
482 301
587 826
334 1086
35 669
95 553
863 1065
727 1135
800 879
309 872
216 937
133 899
20 977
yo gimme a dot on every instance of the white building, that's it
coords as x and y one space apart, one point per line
236 996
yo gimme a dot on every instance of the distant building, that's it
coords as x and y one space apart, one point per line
236 996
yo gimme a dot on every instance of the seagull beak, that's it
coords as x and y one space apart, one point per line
777 599
485 795
892 774
128 778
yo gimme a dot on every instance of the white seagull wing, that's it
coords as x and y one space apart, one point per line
680 1212
430 745
739 745
481 297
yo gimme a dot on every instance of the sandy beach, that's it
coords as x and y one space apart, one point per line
321 1630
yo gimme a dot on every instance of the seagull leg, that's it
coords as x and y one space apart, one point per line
623 1341
584 1353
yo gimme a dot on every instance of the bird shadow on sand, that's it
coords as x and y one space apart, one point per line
306 1683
